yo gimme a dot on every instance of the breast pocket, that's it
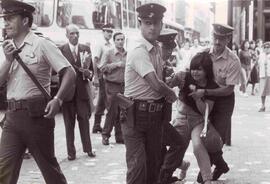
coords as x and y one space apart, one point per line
221 77
31 63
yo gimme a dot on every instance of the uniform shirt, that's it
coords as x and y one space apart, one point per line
264 65
110 59
99 49
142 60
40 56
226 68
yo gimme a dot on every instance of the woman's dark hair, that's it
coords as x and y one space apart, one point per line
243 44
203 60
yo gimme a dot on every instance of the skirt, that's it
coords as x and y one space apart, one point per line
265 86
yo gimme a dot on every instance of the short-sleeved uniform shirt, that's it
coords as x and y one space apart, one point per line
40 56
226 68
99 49
142 60
109 60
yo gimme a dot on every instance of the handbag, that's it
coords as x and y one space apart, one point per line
209 136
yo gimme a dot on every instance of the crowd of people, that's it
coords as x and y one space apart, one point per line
135 91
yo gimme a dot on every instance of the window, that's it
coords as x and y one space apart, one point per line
88 14
43 16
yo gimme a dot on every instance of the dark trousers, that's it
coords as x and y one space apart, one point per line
178 141
143 147
101 105
221 117
37 134
112 116
81 109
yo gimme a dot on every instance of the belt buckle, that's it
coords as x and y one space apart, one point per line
159 107
152 107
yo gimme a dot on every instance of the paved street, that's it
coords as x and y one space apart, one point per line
248 156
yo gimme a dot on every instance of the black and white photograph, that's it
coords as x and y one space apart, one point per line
134 91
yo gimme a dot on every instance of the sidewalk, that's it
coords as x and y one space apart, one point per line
248 157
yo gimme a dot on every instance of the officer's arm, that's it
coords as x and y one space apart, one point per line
222 91
158 85
67 87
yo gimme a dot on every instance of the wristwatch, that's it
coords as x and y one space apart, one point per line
59 100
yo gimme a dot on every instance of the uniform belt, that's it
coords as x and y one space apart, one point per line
149 105
13 105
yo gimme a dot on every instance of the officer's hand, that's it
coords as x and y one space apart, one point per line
95 81
9 49
52 108
86 72
171 98
197 94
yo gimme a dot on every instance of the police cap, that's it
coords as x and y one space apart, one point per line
108 27
13 7
151 11
222 30
167 37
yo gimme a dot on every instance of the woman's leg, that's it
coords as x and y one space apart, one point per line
201 154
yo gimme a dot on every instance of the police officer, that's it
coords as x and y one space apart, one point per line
143 84
227 71
26 126
98 81
177 139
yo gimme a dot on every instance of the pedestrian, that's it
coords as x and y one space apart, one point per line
264 66
227 71
184 57
245 59
98 80
142 129
113 68
30 117
254 74
176 139
79 107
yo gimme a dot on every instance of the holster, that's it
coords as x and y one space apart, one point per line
36 106
167 112
127 108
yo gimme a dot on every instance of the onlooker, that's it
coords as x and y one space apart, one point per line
30 116
142 126
235 48
98 80
113 68
264 66
79 56
254 74
184 55
245 59
195 48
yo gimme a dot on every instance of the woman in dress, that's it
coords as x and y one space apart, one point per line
264 66
191 111
254 75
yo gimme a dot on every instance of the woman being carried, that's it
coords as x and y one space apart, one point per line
191 111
